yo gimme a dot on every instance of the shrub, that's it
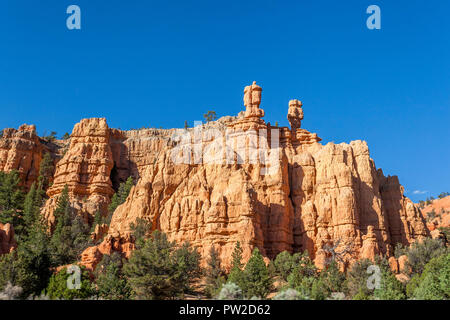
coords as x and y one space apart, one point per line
289 294
356 282
230 291
420 253
285 263
59 289
10 292
111 283
158 270
434 283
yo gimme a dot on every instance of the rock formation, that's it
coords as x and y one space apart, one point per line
295 114
294 195
252 100
438 217
85 169
21 150
7 240
237 179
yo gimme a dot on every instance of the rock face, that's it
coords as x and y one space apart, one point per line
295 114
7 241
21 150
235 179
85 169
438 216
240 179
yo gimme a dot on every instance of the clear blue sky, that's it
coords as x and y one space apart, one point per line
159 63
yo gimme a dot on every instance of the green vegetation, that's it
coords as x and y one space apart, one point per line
160 270
210 116
214 274
58 288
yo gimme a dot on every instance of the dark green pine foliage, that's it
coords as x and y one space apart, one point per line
214 274
158 270
58 289
29 265
11 198
110 280
71 234
257 281
236 273
46 169
121 195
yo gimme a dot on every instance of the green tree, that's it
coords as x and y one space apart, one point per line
11 198
420 253
236 273
140 229
390 288
121 195
110 280
256 281
285 263
210 116
58 288
434 283
71 234
66 136
214 274
186 125
46 169
333 278
356 283
158 270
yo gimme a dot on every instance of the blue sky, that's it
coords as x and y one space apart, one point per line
159 63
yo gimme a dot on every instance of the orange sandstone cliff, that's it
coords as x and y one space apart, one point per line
238 179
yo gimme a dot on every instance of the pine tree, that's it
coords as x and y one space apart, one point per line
214 274
121 195
71 234
11 198
256 280
236 273
111 283
158 270
210 116
45 172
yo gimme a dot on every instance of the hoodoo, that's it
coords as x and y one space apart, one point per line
274 188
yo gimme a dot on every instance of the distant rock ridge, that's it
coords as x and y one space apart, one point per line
292 193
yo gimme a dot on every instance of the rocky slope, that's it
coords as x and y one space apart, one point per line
438 215
238 179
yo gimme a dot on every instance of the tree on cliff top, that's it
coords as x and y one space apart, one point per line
210 116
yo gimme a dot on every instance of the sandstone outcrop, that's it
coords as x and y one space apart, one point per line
438 216
21 150
292 194
7 240
85 169
295 114
235 179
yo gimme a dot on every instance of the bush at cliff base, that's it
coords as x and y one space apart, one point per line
58 288
434 283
